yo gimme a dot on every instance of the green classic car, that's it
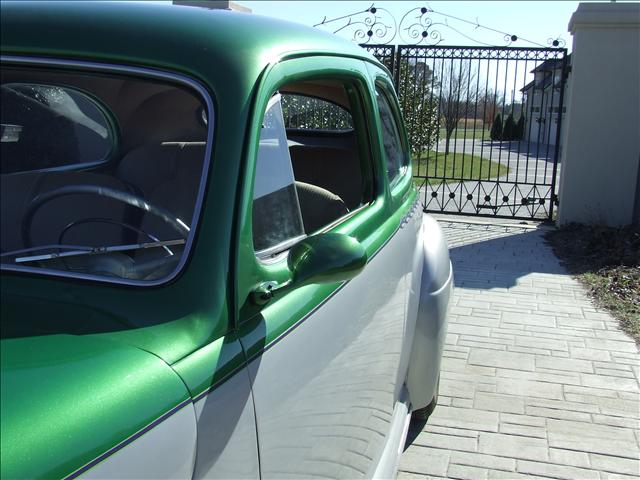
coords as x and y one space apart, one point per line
214 259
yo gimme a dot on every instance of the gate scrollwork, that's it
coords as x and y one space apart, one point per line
418 26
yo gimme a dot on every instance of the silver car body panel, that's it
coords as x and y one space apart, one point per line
171 444
227 442
429 299
325 394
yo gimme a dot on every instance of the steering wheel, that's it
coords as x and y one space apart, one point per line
124 197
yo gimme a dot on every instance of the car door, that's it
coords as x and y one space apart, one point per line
399 170
324 359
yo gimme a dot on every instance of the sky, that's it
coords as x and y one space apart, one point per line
540 22
535 21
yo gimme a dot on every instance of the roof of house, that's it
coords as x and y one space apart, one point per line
551 64
527 86
548 67
540 84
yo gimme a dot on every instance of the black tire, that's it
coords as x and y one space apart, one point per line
425 412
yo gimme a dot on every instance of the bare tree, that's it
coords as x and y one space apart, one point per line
457 95
489 104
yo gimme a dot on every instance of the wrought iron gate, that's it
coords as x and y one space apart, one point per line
484 124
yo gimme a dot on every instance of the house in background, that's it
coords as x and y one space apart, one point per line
542 102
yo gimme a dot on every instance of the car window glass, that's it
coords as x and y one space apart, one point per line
309 178
276 213
311 113
396 159
48 126
100 173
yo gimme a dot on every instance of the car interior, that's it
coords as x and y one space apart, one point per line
326 156
325 152
72 143
90 161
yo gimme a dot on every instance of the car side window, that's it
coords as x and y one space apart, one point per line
305 112
276 211
397 160
313 165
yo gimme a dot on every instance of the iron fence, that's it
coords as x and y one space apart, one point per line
484 124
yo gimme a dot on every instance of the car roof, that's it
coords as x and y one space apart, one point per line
193 40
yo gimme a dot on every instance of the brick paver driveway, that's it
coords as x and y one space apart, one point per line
535 380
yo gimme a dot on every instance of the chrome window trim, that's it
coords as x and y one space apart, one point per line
274 254
143 72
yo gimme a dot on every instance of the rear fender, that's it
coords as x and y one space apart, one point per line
433 293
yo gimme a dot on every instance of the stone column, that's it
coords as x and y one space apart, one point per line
214 5
601 136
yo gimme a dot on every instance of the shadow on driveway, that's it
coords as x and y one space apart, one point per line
492 256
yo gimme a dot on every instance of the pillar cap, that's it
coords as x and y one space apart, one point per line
605 15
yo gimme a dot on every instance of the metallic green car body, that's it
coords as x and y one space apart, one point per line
65 398
87 365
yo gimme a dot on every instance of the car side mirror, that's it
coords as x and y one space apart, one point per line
322 258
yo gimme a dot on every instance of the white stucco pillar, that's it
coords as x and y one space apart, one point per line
601 137
214 5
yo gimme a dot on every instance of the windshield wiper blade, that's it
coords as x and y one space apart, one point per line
13 253
79 251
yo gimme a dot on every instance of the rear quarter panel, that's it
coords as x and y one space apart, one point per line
428 304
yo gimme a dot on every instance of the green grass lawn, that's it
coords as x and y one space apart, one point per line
459 133
455 167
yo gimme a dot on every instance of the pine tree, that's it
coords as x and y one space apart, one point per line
509 130
520 128
496 128
419 109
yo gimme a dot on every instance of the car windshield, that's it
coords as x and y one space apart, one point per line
100 173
